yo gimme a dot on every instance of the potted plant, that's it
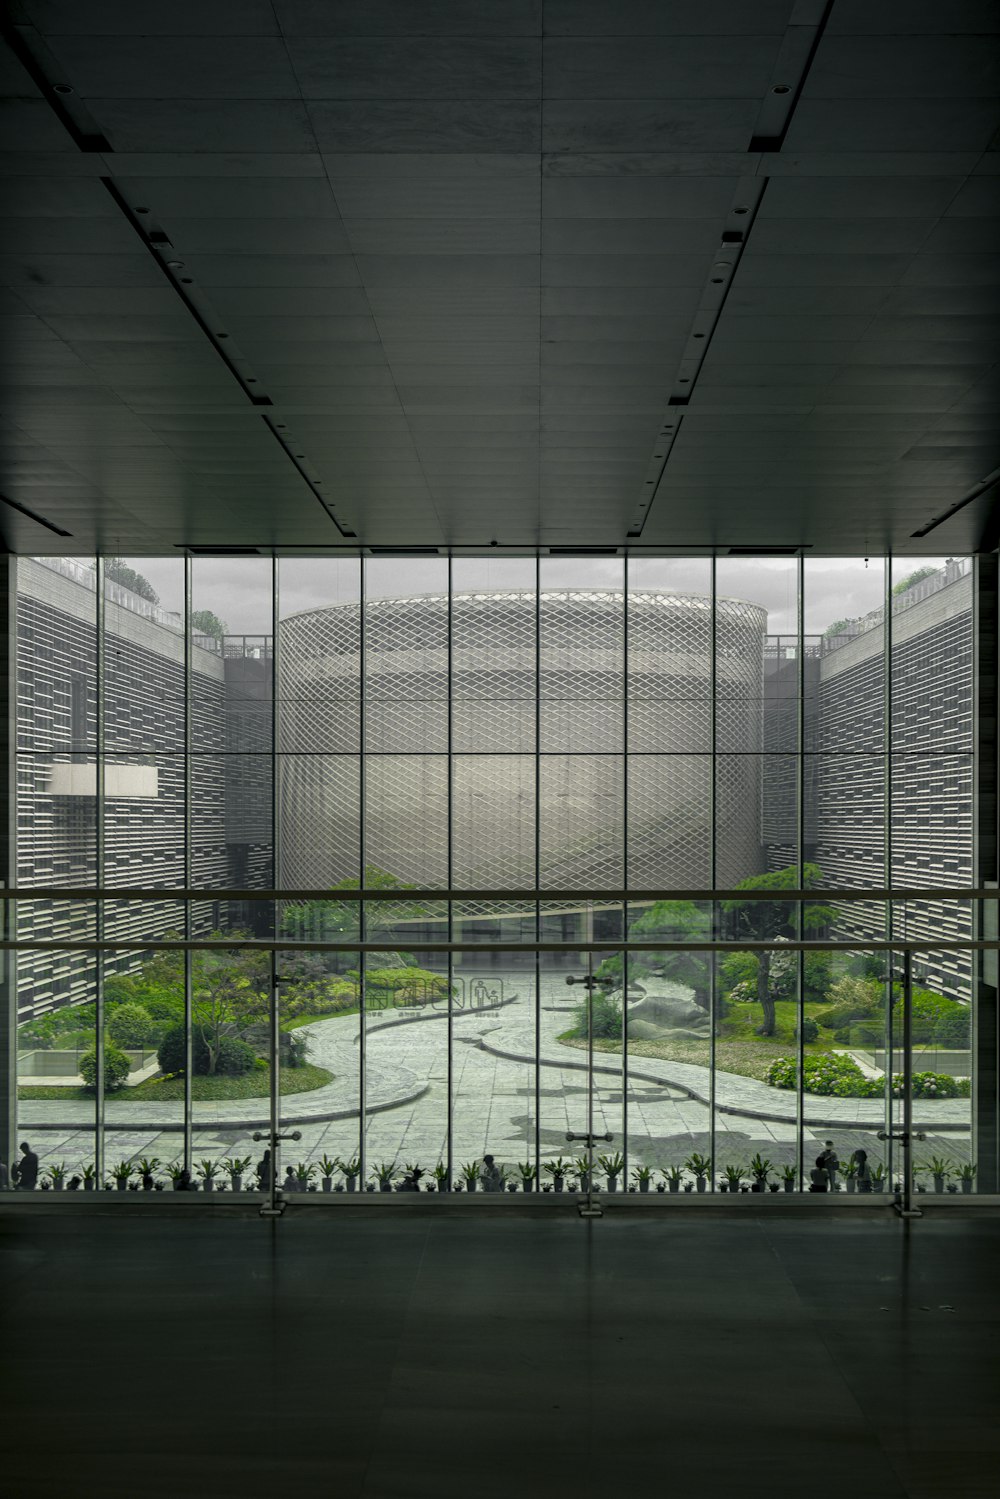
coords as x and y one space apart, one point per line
57 1176
940 1169
208 1171
121 1173
759 1168
235 1167
327 1166
673 1176
966 1174
699 1166
849 1171
351 1170
89 1177
470 1175
733 1177
612 1166
440 1174
642 1176
175 1171
582 1168
789 1177
528 1174
878 1177
304 1173
146 1167
383 1172
557 1169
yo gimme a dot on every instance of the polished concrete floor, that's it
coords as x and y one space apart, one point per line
409 1356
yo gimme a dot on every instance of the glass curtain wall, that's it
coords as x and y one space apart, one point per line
586 748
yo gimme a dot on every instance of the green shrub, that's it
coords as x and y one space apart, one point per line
116 1068
933 1085
929 1011
130 1025
171 1052
809 1029
953 1030
831 1076
607 1018
406 986
234 1057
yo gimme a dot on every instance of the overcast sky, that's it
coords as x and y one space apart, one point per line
238 589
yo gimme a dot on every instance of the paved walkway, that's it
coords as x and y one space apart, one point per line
493 1099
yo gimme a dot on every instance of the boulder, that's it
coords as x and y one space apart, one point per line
661 1015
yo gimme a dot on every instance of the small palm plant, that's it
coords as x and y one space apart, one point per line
940 1168
383 1172
528 1172
558 1170
700 1167
673 1176
57 1175
146 1166
89 1176
612 1166
790 1176
235 1166
966 1174
121 1173
733 1177
351 1170
582 1168
642 1176
440 1175
208 1171
759 1168
304 1173
327 1166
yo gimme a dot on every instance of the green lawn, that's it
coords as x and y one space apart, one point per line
738 1048
203 1089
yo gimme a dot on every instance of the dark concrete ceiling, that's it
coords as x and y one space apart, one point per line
539 271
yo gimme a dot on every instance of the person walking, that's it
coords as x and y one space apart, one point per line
26 1169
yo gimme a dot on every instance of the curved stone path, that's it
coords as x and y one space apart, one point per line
493 1102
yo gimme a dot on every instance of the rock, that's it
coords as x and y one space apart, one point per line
660 1015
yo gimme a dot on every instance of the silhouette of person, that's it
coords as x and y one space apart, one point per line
289 1184
26 1169
264 1171
490 1175
73 1185
4 1177
819 1180
831 1163
862 1170
184 1183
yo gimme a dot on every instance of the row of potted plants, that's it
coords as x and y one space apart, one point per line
575 1175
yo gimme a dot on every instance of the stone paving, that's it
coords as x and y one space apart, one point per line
493 1100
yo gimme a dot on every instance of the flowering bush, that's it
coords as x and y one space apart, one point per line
833 1076
840 1077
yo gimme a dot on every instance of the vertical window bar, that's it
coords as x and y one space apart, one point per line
362 905
449 668
538 867
800 966
626 956
188 865
275 874
99 960
890 923
713 875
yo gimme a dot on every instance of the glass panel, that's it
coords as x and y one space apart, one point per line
406 818
493 821
670 821
670 655
582 637
144 1064
493 655
844 1094
581 816
319 820
406 655
56 1078
319 655
756 602
231 1077
493 1070
319 996
407 1032
143 657
942 1074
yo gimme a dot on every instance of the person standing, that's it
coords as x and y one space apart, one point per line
490 1175
831 1163
26 1169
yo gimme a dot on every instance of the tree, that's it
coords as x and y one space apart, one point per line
204 622
774 920
912 579
117 571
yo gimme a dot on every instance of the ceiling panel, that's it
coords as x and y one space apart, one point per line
498 271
